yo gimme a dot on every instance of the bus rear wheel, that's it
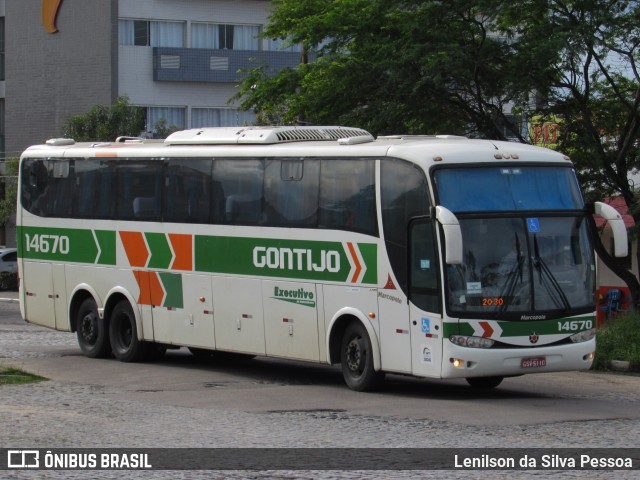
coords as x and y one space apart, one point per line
356 356
484 383
92 332
124 335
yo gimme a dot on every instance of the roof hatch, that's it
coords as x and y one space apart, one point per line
264 135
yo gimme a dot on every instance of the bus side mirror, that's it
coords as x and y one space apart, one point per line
611 215
452 235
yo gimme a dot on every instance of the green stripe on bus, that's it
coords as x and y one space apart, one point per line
161 255
297 259
369 252
172 283
524 328
58 244
107 244
300 259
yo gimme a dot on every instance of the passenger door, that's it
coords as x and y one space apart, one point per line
425 302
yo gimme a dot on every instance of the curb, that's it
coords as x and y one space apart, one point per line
619 365
623 366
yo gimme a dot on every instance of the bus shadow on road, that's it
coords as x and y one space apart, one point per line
279 372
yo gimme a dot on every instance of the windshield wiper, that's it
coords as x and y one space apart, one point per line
542 267
515 277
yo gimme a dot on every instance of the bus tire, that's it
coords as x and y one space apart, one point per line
484 383
92 332
356 357
124 335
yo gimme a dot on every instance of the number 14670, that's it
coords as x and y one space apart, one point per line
575 325
43 243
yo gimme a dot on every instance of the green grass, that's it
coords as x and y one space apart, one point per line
619 339
12 376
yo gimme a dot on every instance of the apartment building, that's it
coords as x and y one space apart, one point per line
180 59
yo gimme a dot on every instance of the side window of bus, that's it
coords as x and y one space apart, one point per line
187 192
238 183
95 184
139 190
47 187
61 178
347 195
35 177
291 192
404 194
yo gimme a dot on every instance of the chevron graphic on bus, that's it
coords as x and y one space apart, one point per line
299 259
349 262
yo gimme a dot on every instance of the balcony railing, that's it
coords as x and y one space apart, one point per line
215 66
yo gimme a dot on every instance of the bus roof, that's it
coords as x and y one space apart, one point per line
301 141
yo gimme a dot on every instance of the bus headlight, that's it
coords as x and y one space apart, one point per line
583 336
471 342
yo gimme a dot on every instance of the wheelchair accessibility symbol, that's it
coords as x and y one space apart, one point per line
533 224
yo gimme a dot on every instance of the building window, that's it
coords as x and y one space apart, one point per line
220 117
2 150
1 48
280 45
151 33
164 120
223 36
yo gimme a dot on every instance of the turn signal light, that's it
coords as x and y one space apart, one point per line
457 362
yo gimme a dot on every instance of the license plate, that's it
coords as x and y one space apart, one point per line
533 362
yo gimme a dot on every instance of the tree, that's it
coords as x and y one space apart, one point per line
391 66
106 123
593 83
435 66
10 179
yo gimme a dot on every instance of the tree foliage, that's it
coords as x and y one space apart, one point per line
105 123
593 85
391 66
10 179
453 66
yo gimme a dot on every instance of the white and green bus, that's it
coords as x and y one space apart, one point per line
436 257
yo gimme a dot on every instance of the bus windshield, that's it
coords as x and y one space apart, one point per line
522 260
506 188
521 266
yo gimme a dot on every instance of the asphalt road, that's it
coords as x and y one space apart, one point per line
182 401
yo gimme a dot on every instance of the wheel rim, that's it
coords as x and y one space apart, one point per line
89 328
356 356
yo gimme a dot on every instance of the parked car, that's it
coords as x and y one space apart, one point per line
8 260
8 268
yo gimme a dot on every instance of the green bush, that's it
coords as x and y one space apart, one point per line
619 339
8 281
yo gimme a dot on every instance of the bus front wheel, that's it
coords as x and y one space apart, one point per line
124 335
92 333
356 356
